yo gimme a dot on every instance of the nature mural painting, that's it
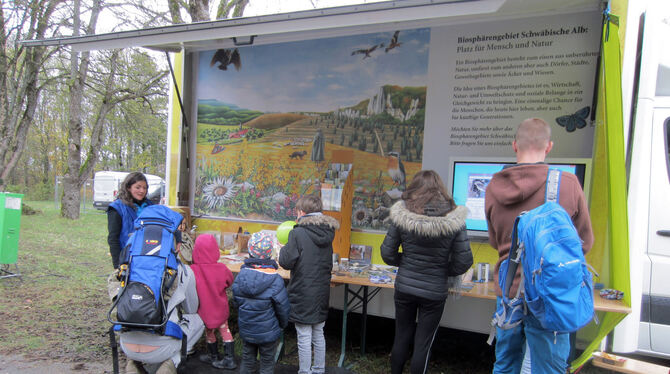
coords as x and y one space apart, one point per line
270 116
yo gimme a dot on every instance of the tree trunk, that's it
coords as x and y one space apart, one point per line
175 14
78 72
225 6
199 10
97 132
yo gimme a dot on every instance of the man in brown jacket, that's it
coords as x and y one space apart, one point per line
517 188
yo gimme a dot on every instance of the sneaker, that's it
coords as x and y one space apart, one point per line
167 367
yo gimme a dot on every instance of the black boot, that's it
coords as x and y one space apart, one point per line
212 354
228 360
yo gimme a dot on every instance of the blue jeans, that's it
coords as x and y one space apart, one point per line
548 350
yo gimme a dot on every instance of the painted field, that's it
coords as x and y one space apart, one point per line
263 179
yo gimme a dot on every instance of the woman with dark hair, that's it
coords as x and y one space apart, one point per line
435 247
122 212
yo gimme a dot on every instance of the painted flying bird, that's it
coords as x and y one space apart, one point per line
396 169
226 57
394 42
367 51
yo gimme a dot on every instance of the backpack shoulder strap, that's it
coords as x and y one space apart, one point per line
553 185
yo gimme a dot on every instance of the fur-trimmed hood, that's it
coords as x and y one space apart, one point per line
320 228
429 226
319 219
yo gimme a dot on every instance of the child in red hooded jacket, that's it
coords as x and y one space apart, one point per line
212 278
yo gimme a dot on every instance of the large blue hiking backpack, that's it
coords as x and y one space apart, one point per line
556 282
148 269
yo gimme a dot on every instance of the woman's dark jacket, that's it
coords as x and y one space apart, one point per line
308 254
120 224
435 246
262 301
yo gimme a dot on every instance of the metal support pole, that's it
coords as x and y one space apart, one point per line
344 324
364 318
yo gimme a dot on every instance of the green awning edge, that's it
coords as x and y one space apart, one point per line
610 86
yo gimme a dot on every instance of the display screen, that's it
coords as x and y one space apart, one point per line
469 182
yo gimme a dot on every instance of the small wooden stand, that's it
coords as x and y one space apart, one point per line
342 241
627 365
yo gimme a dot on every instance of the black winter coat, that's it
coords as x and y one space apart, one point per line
262 302
308 254
433 249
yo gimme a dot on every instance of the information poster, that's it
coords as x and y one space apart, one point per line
486 78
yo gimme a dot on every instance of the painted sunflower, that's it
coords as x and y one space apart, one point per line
361 216
217 191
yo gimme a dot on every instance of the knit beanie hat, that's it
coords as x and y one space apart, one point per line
260 245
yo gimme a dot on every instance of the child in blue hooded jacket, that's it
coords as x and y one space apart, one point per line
261 297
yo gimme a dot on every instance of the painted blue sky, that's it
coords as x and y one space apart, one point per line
315 75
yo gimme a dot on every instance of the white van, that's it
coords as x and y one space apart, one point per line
106 186
647 329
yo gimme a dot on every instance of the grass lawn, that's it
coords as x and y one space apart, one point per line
58 312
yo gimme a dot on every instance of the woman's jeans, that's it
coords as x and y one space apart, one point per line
408 330
311 336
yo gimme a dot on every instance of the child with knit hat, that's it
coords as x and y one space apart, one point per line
263 304
212 278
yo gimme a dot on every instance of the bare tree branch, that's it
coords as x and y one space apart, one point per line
19 74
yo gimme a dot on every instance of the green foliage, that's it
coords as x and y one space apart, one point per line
401 97
418 120
14 188
248 201
362 144
383 118
362 106
214 134
40 191
223 115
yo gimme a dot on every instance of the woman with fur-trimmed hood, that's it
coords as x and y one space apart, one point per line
435 246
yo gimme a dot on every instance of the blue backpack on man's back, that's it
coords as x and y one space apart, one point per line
557 284
148 269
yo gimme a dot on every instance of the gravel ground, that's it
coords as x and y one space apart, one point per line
11 364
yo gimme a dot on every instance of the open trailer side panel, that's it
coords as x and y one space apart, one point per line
433 97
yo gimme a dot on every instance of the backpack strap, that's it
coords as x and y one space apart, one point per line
553 185
184 351
514 259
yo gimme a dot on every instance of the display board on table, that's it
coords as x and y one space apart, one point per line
337 192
